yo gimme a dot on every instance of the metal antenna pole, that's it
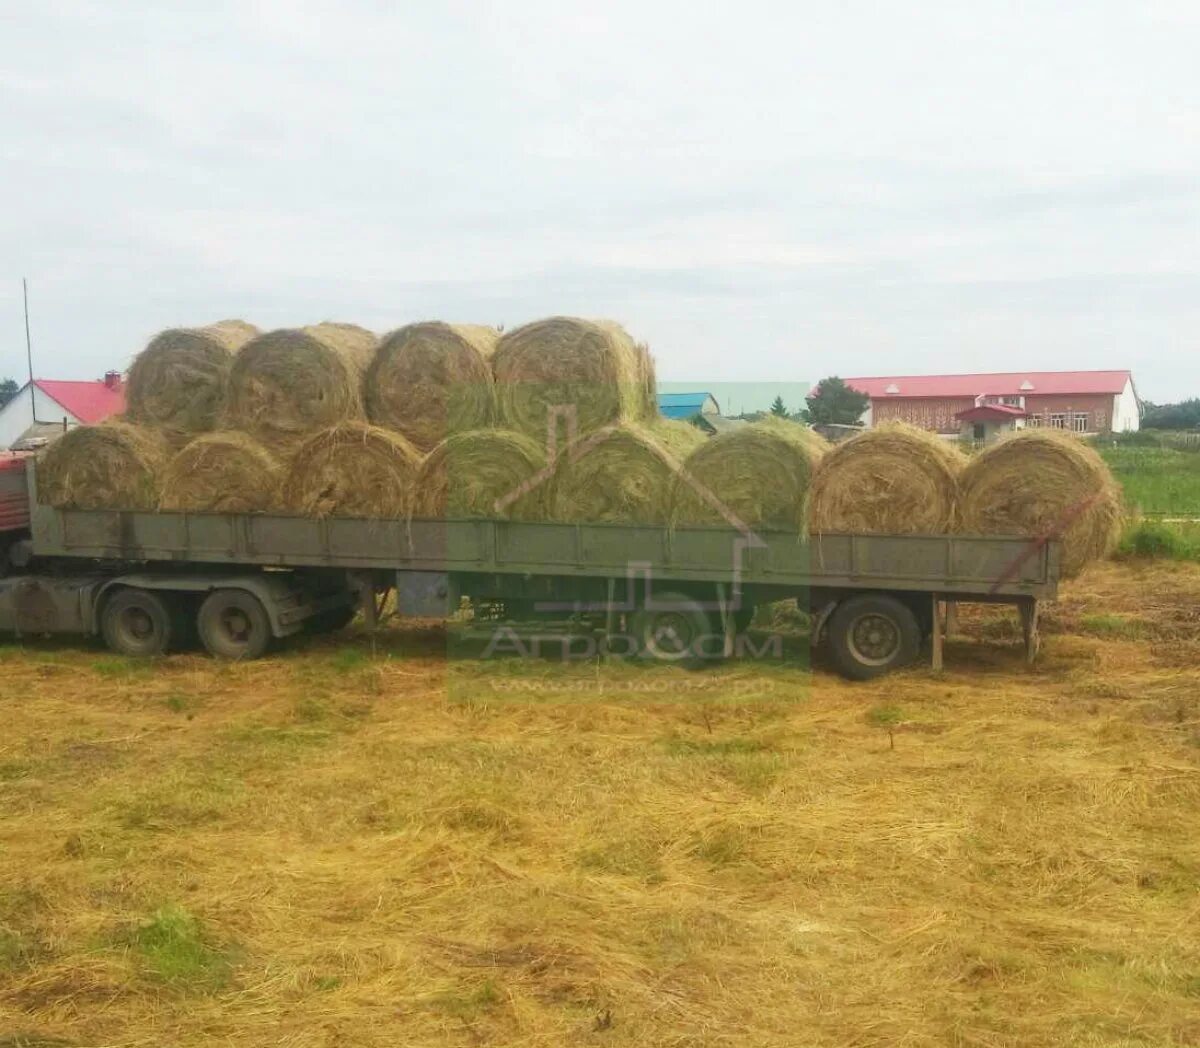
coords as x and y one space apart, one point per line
29 350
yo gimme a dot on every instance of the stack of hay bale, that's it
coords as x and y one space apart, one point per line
554 421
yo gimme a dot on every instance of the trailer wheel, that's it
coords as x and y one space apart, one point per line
870 635
137 622
677 630
233 625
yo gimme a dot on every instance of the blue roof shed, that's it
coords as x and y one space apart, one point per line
685 405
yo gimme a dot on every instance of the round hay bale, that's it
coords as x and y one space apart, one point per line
286 384
484 473
352 470
590 368
893 480
226 472
1042 482
649 384
115 465
757 476
177 382
430 380
621 474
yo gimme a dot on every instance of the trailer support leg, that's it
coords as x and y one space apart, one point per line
939 626
610 617
1029 628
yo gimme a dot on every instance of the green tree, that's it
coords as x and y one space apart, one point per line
778 409
1184 415
833 402
8 390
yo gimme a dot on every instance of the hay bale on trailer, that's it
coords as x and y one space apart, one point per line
115 465
621 474
484 473
1039 483
224 472
286 384
430 380
893 480
177 383
758 475
589 368
352 470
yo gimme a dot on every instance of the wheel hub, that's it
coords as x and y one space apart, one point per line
874 639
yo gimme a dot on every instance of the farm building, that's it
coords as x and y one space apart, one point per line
981 406
687 405
57 405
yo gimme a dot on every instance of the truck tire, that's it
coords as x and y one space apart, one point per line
233 624
872 634
138 622
678 630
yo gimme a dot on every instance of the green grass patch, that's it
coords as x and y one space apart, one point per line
1120 627
120 667
13 951
1157 479
172 947
1150 539
176 802
719 747
624 858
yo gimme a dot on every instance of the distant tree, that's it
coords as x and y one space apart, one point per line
8 390
835 403
1184 415
778 409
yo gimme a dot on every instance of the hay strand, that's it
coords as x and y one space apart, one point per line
483 473
286 384
115 465
352 470
893 480
430 380
756 476
177 382
1040 482
224 472
621 474
590 369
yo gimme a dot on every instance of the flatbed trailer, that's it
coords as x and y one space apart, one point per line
144 580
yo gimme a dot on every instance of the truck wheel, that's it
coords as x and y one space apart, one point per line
678 630
137 622
872 634
233 625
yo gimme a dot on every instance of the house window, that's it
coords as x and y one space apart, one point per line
1014 402
1058 420
1034 421
1079 422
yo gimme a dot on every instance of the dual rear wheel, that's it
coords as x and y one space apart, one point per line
230 623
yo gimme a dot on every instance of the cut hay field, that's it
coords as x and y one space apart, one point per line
340 846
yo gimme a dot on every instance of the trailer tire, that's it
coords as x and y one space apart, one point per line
872 634
676 631
233 624
138 622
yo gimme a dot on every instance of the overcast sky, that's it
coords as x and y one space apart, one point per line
759 190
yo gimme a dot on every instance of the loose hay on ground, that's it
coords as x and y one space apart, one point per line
484 473
621 474
226 472
178 381
754 476
352 470
111 466
430 380
1039 483
286 384
589 368
893 480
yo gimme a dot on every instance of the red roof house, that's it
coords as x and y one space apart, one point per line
1082 401
56 405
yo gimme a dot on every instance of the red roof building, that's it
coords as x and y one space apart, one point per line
1081 401
57 405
